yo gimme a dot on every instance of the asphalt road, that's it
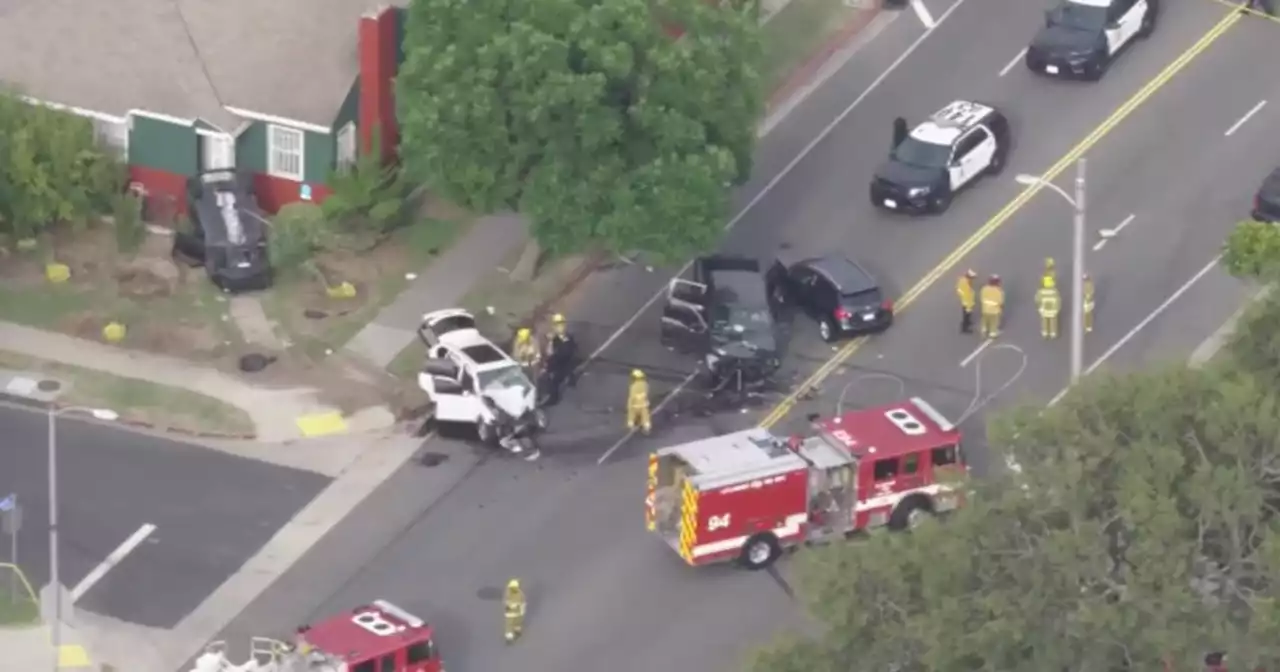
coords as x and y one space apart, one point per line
607 596
211 512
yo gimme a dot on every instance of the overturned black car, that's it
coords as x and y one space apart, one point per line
228 231
725 315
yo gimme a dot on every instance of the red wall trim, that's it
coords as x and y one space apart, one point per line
166 193
275 192
377 52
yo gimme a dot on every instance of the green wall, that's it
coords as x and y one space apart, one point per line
350 110
318 153
164 146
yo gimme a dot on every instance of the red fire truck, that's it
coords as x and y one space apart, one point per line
380 637
750 494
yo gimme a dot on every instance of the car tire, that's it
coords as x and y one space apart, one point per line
910 512
828 330
997 162
942 203
1098 71
760 551
1148 23
486 433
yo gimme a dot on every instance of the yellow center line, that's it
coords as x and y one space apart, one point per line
1122 112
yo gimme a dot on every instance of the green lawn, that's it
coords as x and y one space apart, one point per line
16 610
796 33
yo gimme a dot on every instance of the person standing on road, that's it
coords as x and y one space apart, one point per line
560 357
514 606
992 298
1049 303
899 131
964 290
525 350
1050 272
638 403
1087 302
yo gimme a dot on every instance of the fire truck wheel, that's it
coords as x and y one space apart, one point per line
910 512
760 551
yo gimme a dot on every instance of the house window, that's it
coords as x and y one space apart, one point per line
217 152
112 135
347 146
284 152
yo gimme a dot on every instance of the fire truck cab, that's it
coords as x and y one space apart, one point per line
380 637
750 494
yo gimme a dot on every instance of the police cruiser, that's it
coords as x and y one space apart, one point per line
958 144
1080 38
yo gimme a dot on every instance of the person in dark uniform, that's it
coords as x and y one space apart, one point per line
561 358
899 131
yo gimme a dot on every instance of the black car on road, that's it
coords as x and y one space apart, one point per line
840 295
228 231
1081 38
725 316
1266 204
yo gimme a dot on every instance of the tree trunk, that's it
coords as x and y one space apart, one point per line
527 266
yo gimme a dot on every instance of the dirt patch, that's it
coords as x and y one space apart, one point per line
804 34
137 401
166 308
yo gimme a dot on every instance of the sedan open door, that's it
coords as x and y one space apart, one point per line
436 324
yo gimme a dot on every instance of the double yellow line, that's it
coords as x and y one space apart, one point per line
780 411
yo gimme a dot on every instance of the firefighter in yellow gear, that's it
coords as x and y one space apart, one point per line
1049 304
513 610
638 403
968 299
1087 302
525 350
1050 271
992 300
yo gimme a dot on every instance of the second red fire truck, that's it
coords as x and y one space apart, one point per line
748 495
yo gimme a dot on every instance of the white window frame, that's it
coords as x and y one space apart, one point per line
346 146
112 135
287 161
220 146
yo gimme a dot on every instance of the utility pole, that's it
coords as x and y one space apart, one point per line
1077 277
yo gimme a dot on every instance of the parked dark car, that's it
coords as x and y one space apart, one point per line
228 231
840 295
1266 204
725 317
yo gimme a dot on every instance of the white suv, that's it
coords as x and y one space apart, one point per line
470 380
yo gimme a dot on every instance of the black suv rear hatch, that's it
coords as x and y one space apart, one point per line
1266 205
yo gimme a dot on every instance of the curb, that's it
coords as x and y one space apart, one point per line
811 65
37 405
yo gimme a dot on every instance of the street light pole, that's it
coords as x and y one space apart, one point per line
55 581
1077 277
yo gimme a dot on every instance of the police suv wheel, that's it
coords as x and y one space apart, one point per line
760 551
827 330
942 203
1148 23
997 163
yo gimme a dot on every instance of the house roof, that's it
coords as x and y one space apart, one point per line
294 59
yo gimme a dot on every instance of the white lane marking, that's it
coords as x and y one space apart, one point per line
1114 232
1236 126
1143 324
777 179
977 351
1012 64
654 411
923 12
112 560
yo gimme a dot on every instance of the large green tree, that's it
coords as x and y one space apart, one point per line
1141 530
617 124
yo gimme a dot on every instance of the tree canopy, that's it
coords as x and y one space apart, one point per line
591 117
1140 531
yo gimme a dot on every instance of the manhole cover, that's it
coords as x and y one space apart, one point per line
48 386
432 459
489 593
313 314
255 362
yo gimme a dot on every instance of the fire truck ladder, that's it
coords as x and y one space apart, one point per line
265 655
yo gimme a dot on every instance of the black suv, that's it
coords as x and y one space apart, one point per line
1266 204
836 292
724 315
942 155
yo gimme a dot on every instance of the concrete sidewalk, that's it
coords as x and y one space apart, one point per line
486 245
276 413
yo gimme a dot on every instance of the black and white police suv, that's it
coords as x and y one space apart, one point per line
1080 38
470 380
946 153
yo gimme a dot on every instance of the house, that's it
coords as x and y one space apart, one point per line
286 89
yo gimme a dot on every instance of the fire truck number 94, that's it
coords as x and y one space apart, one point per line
717 522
